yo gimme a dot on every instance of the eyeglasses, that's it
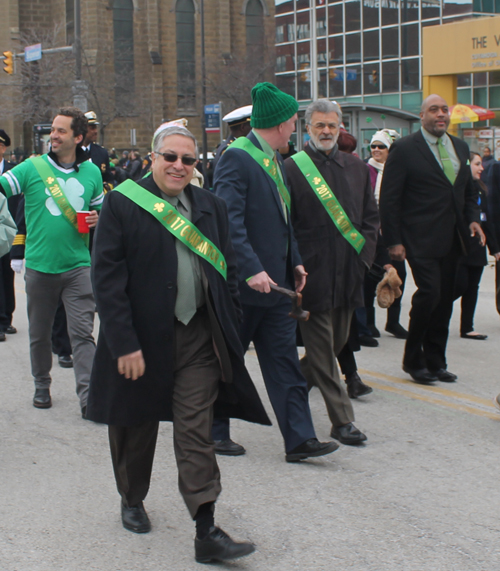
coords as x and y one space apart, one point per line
172 158
381 147
321 126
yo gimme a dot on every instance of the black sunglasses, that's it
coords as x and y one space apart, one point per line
378 146
172 158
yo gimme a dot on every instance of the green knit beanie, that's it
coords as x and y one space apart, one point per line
271 106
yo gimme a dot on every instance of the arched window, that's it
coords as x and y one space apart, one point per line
255 28
123 34
186 78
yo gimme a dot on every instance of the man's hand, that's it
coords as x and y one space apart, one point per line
397 252
476 230
132 366
300 278
91 220
260 282
497 256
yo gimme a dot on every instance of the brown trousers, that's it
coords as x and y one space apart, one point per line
324 336
196 376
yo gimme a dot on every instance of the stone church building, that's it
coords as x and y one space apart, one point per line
141 62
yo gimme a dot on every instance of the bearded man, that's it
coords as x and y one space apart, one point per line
335 221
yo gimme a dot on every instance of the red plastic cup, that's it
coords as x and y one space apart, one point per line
83 227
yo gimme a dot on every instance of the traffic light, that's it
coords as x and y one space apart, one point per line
8 62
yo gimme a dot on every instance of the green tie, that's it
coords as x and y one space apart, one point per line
448 169
185 303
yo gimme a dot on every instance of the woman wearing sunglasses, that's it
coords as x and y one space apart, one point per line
379 147
470 269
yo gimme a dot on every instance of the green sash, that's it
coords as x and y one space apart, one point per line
49 178
266 163
329 200
176 223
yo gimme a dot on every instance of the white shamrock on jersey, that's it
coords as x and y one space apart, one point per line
73 189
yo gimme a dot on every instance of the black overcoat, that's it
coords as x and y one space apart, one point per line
336 271
134 275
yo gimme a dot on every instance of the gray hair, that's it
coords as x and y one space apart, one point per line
322 106
162 134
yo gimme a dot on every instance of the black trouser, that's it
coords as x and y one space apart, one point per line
61 345
431 308
467 287
7 295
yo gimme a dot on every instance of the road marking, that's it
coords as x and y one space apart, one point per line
464 399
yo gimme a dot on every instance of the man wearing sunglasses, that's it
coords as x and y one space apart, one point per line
428 209
164 274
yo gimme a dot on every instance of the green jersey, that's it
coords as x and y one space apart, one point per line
52 245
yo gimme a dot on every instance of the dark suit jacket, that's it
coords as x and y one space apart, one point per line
134 274
262 238
100 157
13 201
419 207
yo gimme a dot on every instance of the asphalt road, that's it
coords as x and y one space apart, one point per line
421 495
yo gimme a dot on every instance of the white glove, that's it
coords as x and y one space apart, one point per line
17 265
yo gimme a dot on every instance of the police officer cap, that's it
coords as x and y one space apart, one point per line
4 138
238 116
91 118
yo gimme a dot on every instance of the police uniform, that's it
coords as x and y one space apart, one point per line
97 154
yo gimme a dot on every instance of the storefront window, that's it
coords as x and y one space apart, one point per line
283 6
371 46
322 83
390 43
285 29
336 82
480 96
286 83
321 22
321 52
390 12
494 97
431 9
352 48
353 80
304 55
464 80
304 85
464 96
480 78
352 15
285 58
335 23
409 40
409 10
372 78
410 75
370 14
390 76
336 50
303 28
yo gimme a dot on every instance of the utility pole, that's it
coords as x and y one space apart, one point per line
79 86
203 88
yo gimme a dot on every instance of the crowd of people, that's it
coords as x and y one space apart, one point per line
185 278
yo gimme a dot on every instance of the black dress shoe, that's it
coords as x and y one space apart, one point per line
397 330
10 330
310 449
65 361
421 376
228 448
135 518
42 398
218 546
373 330
355 386
367 341
2 336
472 335
348 434
444 376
